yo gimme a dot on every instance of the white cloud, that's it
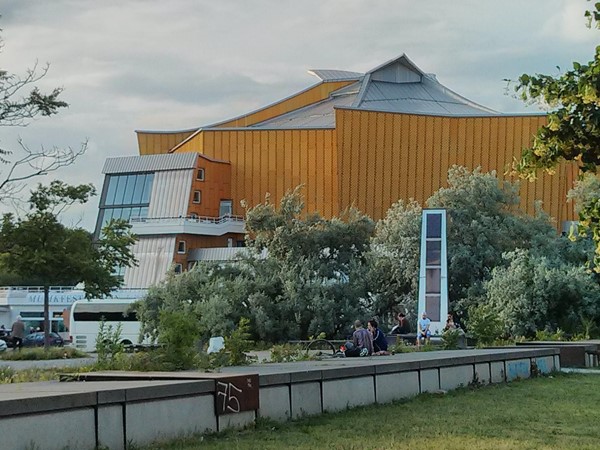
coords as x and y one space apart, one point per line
149 64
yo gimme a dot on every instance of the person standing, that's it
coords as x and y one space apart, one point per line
18 333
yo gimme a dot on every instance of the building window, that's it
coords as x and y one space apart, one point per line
181 247
178 268
197 197
225 208
200 174
229 242
125 197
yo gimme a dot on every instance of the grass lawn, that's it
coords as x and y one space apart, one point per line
561 412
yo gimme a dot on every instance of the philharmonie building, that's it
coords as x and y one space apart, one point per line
352 139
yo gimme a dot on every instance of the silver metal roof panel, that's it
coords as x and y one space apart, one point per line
335 75
319 115
150 163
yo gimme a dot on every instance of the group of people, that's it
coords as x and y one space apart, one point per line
366 342
372 341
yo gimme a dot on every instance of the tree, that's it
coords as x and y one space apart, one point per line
573 129
39 246
394 261
20 103
484 221
536 293
300 275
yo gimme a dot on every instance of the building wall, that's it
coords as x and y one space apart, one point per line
198 241
275 161
152 143
154 255
170 193
384 157
311 95
215 187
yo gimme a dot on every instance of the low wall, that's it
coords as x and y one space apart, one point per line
144 407
572 353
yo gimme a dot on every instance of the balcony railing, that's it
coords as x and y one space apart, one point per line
205 225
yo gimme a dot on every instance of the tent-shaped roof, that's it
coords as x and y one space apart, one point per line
395 86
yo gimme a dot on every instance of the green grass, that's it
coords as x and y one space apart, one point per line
9 375
560 412
39 354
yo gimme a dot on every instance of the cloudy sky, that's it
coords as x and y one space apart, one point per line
163 65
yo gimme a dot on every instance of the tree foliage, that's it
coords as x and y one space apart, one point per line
573 129
394 261
300 276
536 293
38 246
484 221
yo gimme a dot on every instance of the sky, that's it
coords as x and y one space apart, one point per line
130 65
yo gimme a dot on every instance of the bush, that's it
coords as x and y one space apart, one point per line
238 343
484 324
108 344
450 339
534 293
401 347
38 354
178 334
289 353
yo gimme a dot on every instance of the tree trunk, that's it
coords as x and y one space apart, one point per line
46 317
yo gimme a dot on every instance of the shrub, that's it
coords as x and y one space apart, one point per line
450 339
108 344
178 334
38 354
484 324
288 353
238 343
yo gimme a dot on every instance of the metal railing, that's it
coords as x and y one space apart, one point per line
37 288
180 220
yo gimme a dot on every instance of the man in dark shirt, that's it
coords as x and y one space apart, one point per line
362 341
402 327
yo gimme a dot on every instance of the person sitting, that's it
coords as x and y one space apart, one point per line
362 342
402 327
380 344
450 324
423 331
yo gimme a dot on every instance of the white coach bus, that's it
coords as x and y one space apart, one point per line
86 316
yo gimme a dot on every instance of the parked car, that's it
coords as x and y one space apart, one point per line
5 337
37 340
3 346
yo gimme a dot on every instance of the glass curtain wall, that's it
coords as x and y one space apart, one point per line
127 197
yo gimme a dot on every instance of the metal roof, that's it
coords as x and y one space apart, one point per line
150 163
317 115
395 86
328 75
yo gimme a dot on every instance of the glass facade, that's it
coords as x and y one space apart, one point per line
127 197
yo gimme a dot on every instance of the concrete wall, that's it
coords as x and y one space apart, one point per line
113 413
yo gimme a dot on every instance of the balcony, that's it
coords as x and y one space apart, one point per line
207 226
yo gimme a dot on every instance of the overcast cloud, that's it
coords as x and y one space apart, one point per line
177 64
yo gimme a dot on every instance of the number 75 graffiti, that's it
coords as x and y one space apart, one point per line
229 392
